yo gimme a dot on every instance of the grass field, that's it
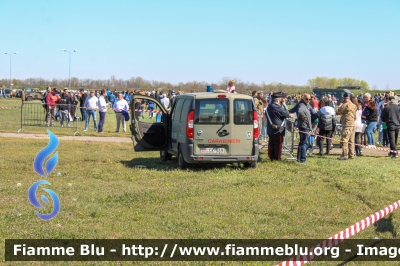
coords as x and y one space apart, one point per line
10 121
103 195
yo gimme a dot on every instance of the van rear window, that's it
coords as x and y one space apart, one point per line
211 112
243 112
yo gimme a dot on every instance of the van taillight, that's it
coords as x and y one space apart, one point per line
255 127
189 125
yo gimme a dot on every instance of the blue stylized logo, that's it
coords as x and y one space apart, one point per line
35 202
50 165
41 156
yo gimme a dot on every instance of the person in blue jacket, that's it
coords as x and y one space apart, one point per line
128 98
111 98
150 108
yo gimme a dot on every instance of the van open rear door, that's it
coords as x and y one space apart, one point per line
149 124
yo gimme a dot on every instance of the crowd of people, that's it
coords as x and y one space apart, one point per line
316 119
359 115
64 105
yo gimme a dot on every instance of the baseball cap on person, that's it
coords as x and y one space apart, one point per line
346 95
82 89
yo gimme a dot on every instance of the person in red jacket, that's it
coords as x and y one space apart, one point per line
314 103
52 99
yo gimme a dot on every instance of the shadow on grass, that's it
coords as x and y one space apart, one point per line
335 156
157 164
385 225
150 163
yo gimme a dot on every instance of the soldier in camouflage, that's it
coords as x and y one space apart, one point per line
348 120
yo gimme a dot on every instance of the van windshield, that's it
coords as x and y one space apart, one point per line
211 112
243 112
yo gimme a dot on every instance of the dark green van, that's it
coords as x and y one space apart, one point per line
211 127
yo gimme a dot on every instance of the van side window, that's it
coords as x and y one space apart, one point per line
211 112
176 112
242 112
187 106
148 111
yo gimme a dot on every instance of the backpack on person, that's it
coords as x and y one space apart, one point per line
256 102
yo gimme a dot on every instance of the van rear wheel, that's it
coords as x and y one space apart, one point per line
165 156
250 165
182 164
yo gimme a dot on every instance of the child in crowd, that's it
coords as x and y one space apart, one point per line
231 86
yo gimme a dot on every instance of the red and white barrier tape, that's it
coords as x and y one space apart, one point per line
147 111
364 146
343 235
107 109
136 110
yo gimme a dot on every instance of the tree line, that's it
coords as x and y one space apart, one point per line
330 83
135 83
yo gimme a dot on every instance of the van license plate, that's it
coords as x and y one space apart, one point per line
212 150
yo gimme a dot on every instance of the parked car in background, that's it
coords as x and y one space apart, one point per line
32 94
19 92
337 93
9 93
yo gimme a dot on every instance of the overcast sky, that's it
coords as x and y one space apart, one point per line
204 40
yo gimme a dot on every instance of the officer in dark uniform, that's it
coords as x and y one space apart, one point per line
276 116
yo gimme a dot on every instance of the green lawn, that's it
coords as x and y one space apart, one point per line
103 195
10 121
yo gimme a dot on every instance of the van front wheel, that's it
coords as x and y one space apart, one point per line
182 164
165 156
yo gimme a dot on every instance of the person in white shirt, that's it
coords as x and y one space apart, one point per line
359 131
102 105
165 101
91 107
119 105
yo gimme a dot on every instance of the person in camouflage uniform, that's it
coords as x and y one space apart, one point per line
348 120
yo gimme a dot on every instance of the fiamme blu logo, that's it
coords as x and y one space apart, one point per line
50 164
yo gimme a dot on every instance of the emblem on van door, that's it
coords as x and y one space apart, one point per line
248 134
199 132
